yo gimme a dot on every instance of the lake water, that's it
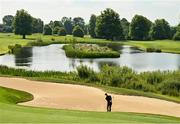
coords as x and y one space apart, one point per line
52 57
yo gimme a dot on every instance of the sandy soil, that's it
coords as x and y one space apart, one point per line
77 97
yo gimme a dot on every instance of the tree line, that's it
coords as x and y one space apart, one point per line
107 25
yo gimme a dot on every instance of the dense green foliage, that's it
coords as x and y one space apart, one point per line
108 25
125 25
62 32
78 21
56 29
92 25
78 31
8 20
37 25
139 28
160 30
177 34
124 77
47 30
22 23
68 25
89 51
7 25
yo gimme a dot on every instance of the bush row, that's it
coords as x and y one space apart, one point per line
165 82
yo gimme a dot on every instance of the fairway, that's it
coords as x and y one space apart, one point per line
77 97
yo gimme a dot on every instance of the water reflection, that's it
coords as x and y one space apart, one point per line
52 57
24 57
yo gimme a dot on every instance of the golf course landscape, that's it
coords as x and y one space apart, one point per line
60 63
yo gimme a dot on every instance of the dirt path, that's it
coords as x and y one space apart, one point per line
77 97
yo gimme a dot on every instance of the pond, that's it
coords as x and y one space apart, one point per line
52 57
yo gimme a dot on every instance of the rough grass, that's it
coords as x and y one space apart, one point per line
12 113
89 51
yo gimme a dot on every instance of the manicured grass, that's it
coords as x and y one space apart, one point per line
89 51
168 46
12 113
9 39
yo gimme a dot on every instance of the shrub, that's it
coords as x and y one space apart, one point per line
153 77
153 50
170 87
84 71
62 32
78 31
47 30
116 76
14 49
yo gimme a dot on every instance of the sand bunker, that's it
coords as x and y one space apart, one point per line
77 97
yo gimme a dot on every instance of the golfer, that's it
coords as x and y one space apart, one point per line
109 102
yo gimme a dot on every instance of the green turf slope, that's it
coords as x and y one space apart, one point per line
12 113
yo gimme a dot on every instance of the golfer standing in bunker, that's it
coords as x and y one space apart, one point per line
109 102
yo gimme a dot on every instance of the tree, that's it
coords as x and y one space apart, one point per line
139 28
22 23
125 25
92 25
62 32
57 24
68 24
173 31
78 21
56 29
78 31
108 25
160 30
47 30
7 24
8 20
177 34
37 25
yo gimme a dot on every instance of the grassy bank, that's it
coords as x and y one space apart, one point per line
12 113
127 83
168 46
7 39
40 40
89 51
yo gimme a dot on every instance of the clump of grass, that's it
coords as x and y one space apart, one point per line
153 50
14 49
53 39
89 51
39 40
